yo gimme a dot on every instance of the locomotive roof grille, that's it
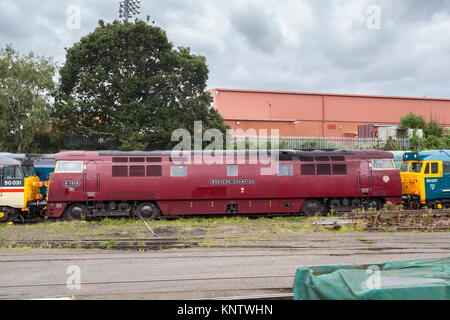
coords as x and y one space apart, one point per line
282 152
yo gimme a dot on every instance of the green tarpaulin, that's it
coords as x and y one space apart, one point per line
403 280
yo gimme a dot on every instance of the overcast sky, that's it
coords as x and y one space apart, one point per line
294 45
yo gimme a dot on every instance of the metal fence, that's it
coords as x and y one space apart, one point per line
338 143
252 142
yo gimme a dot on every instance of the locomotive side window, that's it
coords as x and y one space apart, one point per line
137 159
308 169
285 170
322 159
137 171
178 171
154 159
323 169
446 167
339 169
427 169
383 164
306 158
338 158
119 171
69 166
154 171
232 170
119 159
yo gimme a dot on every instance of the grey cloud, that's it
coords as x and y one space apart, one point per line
257 27
298 45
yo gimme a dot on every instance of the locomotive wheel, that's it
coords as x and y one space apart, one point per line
313 207
76 212
147 211
4 215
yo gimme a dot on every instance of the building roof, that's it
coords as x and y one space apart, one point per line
329 94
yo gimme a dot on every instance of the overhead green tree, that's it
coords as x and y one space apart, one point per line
126 83
26 85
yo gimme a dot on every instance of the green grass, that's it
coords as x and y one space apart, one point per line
182 227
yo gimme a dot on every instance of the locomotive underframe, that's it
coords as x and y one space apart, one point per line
154 209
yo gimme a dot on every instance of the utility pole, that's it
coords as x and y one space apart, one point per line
129 8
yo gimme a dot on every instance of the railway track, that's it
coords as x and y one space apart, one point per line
369 246
404 220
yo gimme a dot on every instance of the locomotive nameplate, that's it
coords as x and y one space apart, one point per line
71 183
240 181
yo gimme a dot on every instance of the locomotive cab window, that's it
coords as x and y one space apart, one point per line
232 170
69 166
12 172
415 167
404 167
383 164
178 171
29 170
434 168
285 169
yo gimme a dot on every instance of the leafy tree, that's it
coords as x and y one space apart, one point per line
433 134
391 145
412 121
26 84
432 129
432 142
126 83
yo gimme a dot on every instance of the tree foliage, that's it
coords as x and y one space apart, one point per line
412 121
125 82
434 137
26 85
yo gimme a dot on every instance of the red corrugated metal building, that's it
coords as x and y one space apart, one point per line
320 114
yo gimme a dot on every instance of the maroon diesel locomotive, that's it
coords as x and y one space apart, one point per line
149 184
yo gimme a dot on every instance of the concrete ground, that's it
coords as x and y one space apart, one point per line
197 273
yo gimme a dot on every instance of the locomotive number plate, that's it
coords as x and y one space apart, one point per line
71 183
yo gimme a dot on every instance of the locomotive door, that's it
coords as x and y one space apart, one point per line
91 180
364 178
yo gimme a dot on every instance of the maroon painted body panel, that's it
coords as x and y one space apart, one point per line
207 189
